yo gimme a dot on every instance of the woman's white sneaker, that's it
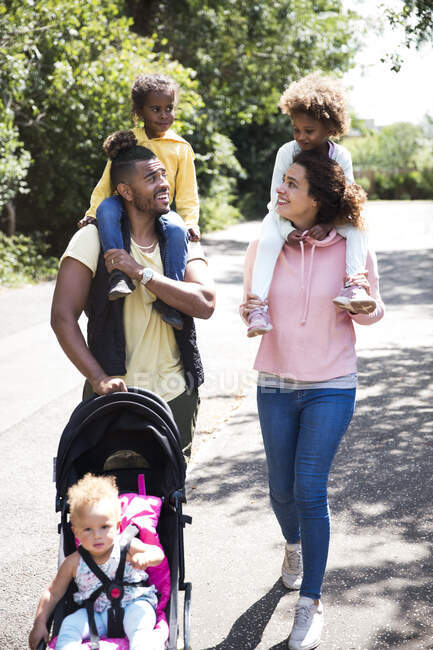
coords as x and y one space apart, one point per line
291 571
307 626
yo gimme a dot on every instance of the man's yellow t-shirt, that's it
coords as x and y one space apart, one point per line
152 356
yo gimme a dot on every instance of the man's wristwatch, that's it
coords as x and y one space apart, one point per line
146 275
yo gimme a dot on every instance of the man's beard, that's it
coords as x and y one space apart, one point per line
147 206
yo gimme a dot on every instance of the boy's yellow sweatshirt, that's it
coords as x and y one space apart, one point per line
177 156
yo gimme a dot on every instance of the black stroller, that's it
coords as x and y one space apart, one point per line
128 435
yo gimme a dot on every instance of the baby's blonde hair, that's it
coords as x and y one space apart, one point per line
90 490
322 98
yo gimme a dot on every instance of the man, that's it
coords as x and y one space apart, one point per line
128 342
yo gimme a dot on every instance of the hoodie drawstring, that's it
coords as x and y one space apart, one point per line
310 273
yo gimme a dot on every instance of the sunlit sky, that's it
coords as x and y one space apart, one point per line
377 92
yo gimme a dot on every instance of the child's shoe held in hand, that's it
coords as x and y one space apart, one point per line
259 322
120 285
354 298
169 314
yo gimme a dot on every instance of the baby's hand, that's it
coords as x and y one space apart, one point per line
294 237
85 221
39 631
194 233
319 231
151 556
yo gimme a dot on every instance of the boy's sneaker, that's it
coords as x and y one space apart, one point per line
259 322
169 314
356 299
307 626
291 571
120 285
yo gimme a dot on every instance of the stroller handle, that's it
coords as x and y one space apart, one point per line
42 645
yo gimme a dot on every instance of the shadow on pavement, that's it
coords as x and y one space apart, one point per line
382 479
247 630
406 277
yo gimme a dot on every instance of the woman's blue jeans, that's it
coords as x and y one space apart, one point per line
173 228
301 432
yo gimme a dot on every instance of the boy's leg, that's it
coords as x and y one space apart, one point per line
175 256
352 296
108 219
139 621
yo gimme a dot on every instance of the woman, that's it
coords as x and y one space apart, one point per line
307 372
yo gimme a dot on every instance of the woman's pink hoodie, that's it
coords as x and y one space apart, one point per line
310 339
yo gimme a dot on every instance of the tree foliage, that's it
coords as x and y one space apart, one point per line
66 70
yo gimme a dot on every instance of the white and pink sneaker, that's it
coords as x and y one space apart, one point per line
355 299
259 322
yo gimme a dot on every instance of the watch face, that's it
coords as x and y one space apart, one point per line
146 275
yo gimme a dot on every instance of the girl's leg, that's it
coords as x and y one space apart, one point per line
139 621
325 416
108 219
175 256
356 248
270 245
75 629
176 245
352 296
279 422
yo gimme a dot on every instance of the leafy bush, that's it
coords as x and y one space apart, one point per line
24 259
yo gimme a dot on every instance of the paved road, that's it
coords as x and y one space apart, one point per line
379 581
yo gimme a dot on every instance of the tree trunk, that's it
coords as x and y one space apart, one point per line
12 225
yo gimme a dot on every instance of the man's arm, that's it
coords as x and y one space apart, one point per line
195 296
70 296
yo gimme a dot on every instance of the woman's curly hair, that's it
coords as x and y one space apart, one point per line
150 83
90 490
338 202
322 98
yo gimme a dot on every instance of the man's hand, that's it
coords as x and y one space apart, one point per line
85 221
109 385
194 233
319 231
117 258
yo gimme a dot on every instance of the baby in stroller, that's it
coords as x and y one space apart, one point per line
95 519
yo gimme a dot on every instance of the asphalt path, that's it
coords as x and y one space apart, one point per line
378 587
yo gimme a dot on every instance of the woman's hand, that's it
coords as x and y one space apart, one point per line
117 258
360 279
252 302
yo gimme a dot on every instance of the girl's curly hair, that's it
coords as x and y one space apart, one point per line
90 490
150 83
338 202
322 98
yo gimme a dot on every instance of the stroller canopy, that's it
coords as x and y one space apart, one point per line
138 423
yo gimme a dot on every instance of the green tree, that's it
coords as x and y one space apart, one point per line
244 54
65 74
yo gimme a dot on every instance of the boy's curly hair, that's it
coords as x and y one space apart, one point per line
150 83
339 203
322 98
90 490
